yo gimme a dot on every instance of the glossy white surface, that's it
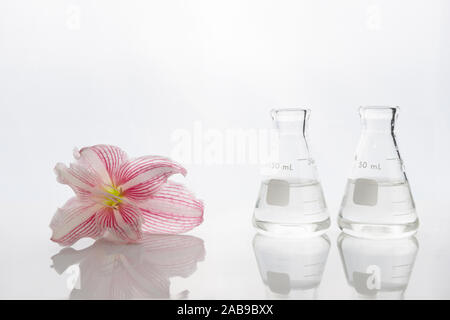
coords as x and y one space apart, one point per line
225 268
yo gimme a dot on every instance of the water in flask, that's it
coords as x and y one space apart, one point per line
290 200
378 202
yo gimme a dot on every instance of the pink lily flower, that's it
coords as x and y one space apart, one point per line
120 198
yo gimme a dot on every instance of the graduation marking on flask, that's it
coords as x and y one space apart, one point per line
282 166
367 165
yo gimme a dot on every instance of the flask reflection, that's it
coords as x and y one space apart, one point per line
291 268
378 269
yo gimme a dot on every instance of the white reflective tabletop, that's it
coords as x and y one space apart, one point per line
218 261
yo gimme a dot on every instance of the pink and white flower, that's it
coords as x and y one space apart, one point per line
120 198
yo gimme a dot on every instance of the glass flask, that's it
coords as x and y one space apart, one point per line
377 202
378 268
291 201
291 268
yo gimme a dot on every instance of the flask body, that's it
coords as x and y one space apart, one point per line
377 202
290 200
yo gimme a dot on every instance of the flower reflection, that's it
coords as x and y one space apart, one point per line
133 271
378 269
291 268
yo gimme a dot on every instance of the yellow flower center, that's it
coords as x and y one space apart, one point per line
113 197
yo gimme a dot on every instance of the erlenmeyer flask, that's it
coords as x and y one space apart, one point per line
378 269
377 202
291 268
291 201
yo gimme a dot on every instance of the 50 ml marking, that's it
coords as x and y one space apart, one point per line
366 165
281 166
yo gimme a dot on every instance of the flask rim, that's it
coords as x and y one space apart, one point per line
290 114
379 112
379 107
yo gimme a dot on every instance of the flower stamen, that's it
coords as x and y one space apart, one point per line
113 196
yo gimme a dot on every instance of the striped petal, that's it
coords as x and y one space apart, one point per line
173 209
142 177
75 220
123 224
82 181
104 159
92 170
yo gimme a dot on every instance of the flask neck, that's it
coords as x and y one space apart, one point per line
291 121
378 119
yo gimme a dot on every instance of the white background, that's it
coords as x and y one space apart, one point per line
131 73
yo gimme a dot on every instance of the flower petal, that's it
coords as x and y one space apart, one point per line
104 159
140 178
123 224
173 209
75 220
92 171
80 179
